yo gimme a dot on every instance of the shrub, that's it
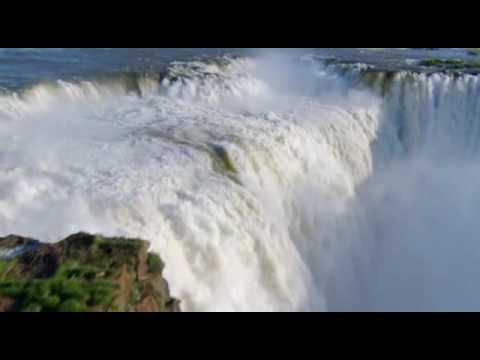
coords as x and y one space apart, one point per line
155 264
72 305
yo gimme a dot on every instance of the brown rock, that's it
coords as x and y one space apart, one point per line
6 304
142 268
125 283
148 305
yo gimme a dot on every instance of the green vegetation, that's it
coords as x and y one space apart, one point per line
73 288
450 63
117 244
155 264
7 268
70 305
136 294
75 271
439 62
474 52
114 251
84 273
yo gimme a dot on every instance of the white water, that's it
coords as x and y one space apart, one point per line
423 201
294 226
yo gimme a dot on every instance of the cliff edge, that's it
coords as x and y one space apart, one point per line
82 273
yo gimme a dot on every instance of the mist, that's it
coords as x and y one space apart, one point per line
424 218
421 204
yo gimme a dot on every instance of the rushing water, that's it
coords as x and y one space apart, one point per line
268 180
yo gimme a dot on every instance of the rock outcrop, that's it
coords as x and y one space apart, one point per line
82 273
